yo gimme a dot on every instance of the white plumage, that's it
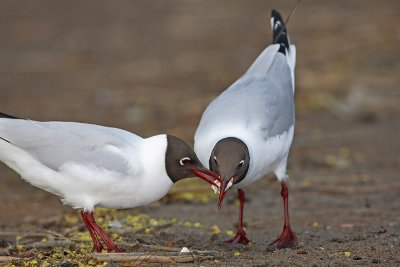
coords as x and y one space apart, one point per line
246 132
257 109
90 165
86 165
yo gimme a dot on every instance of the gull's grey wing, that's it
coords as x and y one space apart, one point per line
261 102
57 143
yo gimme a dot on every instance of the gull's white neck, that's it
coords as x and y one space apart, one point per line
153 153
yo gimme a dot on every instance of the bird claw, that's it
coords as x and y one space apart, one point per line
240 238
97 248
115 249
286 239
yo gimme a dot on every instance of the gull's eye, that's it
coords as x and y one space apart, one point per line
241 163
215 160
184 160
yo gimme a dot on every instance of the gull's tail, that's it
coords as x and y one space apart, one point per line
280 36
279 32
280 45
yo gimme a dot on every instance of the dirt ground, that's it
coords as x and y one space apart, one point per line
152 67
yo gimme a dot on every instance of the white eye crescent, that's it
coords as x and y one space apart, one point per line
182 161
241 163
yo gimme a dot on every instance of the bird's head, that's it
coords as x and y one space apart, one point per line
181 161
230 160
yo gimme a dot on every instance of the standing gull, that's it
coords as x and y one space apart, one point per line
90 166
246 132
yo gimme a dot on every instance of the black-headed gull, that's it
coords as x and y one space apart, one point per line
246 132
90 165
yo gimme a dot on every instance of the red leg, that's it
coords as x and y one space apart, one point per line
109 244
97 246
288 237
240 237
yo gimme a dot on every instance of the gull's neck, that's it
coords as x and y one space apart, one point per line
153 153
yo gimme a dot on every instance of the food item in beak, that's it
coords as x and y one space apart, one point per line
216 188
223 187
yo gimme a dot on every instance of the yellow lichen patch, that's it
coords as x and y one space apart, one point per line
139 220
187 224
117 238
31 263
215 229
330 160
343 159
45 264
197 225
230 233
100 220
154 222
347 253
193 190
40 255
236 253
82 235
71 218
315 225
102 212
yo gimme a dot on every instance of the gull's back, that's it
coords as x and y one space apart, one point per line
62 157
258 108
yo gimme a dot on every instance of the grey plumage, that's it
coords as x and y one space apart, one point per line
57 143
263 103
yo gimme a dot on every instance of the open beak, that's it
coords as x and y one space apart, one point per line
205 174
222 193
225 185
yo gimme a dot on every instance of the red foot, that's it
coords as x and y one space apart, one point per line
97 248
95 230
286 239
240 238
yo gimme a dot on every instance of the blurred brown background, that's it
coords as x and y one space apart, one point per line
152 66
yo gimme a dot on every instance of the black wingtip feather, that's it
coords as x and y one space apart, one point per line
7 116
279 31
5 140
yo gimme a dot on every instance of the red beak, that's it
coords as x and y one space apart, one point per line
222 192
205 175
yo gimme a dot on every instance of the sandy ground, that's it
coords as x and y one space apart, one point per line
152 67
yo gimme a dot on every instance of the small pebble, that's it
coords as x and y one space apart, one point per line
185 250
301 252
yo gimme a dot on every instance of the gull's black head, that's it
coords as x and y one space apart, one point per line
229 159
181 162
180 159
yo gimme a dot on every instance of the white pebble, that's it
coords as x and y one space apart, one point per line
185 250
